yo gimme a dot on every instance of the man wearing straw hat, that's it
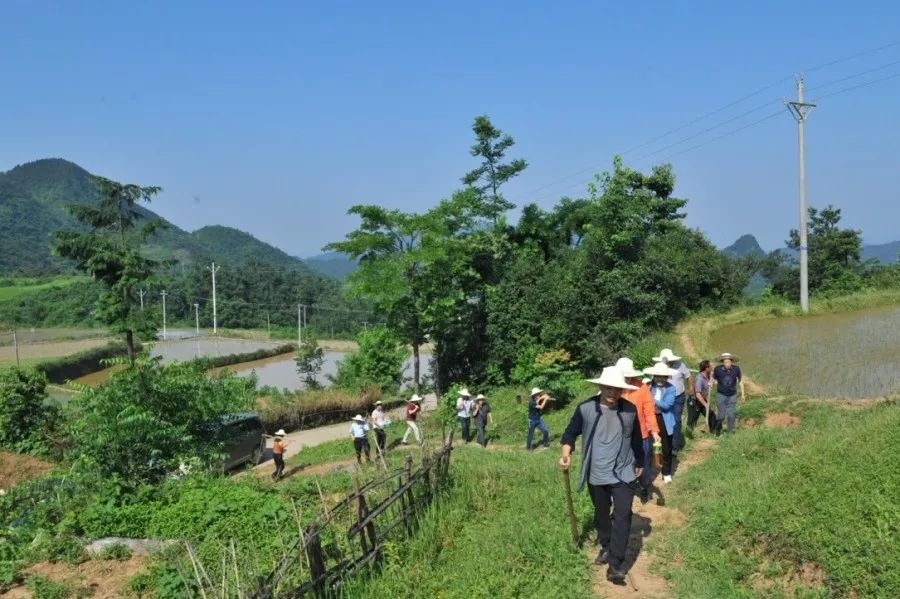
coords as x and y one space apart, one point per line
482 418
358 430
681 380
464 406
727 376
536 404
413 408
612 458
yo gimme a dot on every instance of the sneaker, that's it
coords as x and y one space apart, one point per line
667 478
602 557
615 575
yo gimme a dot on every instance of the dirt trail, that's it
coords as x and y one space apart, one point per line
649 519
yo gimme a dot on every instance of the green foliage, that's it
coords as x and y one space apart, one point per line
56 548
44 588
490 146
774 500
60 370
310 358
140 427
50 304
377 363
308 408
24 417
116 551
553 371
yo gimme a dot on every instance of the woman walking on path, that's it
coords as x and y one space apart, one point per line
482 418
412 413
646 411
727 376
358 431
681 380
663 393
278 446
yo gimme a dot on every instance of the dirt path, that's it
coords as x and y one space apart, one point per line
297 440
654 518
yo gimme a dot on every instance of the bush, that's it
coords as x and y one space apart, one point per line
23 415
60 370
147 420
43 588
377 363
304 409
59 548
553 371
117 551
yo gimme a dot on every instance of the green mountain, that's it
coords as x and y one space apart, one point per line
889 253
746 245
33 199
332 264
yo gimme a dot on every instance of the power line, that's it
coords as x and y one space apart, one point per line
866 84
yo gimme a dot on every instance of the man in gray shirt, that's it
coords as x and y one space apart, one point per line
612 454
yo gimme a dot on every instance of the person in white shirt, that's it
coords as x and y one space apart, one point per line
464 405
378 423
358 431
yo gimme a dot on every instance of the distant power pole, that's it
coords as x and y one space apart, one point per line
141 293
213 270
165 333
268 325
299 325
16 344
799 110
197 319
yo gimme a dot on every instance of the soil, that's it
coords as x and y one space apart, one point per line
781 420
653 518
107 578
16 468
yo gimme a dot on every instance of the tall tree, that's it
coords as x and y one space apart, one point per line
491 145
110 252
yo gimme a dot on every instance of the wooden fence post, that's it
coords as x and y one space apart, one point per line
407 478
316 560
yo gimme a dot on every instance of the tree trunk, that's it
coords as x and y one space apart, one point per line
415 347
129 341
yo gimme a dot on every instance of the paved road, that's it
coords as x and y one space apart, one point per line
314 436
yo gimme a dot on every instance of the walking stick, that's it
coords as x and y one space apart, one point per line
571 507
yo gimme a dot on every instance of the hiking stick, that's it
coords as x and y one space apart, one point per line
571 507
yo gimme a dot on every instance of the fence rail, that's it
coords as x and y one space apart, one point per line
350 536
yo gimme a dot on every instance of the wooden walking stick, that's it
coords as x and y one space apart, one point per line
571 507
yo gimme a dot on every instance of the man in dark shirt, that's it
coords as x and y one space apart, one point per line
727 376
536 404
611 464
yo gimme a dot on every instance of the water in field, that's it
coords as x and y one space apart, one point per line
853 354
181 350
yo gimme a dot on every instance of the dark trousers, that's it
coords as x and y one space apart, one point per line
678 410
380 439
482 437
537 423
697 409
464 426
279 465
361 444
613 531
666 445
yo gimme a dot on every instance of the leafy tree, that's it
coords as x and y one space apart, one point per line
23 413
491 145
377 363
110 252
309 359
139 426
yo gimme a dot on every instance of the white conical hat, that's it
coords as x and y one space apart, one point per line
666 355
612 377
359 418
721 357
659 369
535 391
626 365
415 397
465 392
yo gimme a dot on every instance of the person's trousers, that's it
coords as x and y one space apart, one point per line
678 410
464 427
537 423
482 437
647 474
726 405
380 439
666 446
361 444
412 427
697 409
613 531
279 465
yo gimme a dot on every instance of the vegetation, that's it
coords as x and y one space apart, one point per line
309 359
308 408
24 419
378 363
60 370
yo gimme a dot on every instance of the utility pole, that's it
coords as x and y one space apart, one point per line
197 319
165 333
304 317
213 270
141 293
799 110
299 325
268 325
16 344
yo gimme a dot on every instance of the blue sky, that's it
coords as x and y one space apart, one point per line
276 117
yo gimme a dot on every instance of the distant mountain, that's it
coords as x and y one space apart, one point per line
332 264
885 252
33 200
746 245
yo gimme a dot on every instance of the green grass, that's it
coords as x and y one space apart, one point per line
15 287
823 494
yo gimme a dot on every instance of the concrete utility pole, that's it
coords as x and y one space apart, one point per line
141 293
213 270
197 319
799 110
165 333
299 325
16 344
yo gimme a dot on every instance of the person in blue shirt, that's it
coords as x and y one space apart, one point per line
663 393
358 431
727 376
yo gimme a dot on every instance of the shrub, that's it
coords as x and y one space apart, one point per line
23 414
553 371
304 409
378 362
44 588
117 551
60 548
309 359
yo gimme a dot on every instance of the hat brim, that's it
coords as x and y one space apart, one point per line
632 374
723 357
602 383
667 373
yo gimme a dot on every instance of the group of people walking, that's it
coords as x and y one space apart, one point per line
632 413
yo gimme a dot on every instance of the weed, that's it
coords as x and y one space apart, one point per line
44 588
116 551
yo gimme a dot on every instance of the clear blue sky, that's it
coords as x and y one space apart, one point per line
275 117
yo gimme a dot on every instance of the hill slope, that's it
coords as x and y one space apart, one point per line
746 245
332 264
884 252
33 200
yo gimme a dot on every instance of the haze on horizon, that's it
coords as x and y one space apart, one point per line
276 118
